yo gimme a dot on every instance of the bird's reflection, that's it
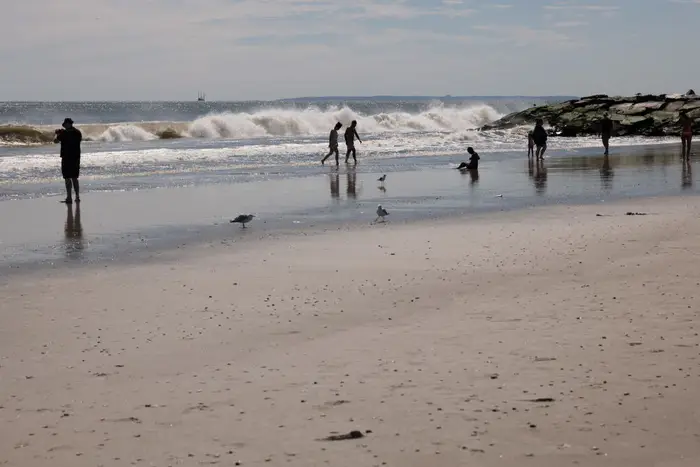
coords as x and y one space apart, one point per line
73 233
686 175
352 178
540 178
606 174
335 184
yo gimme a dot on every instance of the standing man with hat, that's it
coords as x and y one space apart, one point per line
70 139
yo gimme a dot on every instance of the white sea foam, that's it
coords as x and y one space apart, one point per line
313 121
122 133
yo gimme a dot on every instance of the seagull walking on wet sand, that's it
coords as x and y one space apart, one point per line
381 213
381 179
243 219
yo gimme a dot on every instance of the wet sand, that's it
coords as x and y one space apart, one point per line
541 337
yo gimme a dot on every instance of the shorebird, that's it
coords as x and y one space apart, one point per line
243 219
381 213
382 178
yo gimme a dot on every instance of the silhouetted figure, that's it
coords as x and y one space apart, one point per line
473 161
350 135
686 175
352 178
530 145
606 173
335 185
73 233
70 139
540 178
539 135
606 128
333 144
686 134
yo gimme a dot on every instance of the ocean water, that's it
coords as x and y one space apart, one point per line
243 141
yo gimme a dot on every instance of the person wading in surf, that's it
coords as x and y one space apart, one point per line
350 135
606 128
70 139
333 143
686 134
539 135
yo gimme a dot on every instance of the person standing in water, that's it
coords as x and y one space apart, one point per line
606 128
350 135
333 144
539 136
70 139
530 145
686 134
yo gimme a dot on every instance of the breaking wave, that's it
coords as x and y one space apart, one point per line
278 122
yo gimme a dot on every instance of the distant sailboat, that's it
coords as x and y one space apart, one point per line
201 97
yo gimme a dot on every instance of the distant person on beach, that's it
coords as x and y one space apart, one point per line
350 135
70 139
686 134
333 144
530 145
606 128
473 161
539 136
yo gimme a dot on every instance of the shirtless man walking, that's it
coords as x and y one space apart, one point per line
350 135
333 144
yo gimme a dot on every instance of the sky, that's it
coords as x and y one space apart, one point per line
268 49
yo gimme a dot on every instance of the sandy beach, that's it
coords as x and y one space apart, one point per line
542 337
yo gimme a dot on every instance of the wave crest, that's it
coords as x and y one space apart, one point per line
277 122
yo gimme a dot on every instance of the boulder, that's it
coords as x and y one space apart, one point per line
645 115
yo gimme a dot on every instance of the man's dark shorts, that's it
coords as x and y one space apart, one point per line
70 167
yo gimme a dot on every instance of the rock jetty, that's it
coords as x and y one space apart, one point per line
644 115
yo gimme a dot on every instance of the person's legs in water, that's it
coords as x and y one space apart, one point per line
354 155
69 189
76 188
606 144
543 148
347 154
686 140
329 155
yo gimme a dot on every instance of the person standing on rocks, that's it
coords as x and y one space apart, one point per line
539 135
686 134
606 128
70 139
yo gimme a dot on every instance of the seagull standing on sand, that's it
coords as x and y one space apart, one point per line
381 213
382 178
243 219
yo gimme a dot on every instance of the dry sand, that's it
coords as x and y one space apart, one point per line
546 337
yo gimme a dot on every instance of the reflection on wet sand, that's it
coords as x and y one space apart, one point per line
606 174
352 180
335 184
540 178
73 233
686 175
473 175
